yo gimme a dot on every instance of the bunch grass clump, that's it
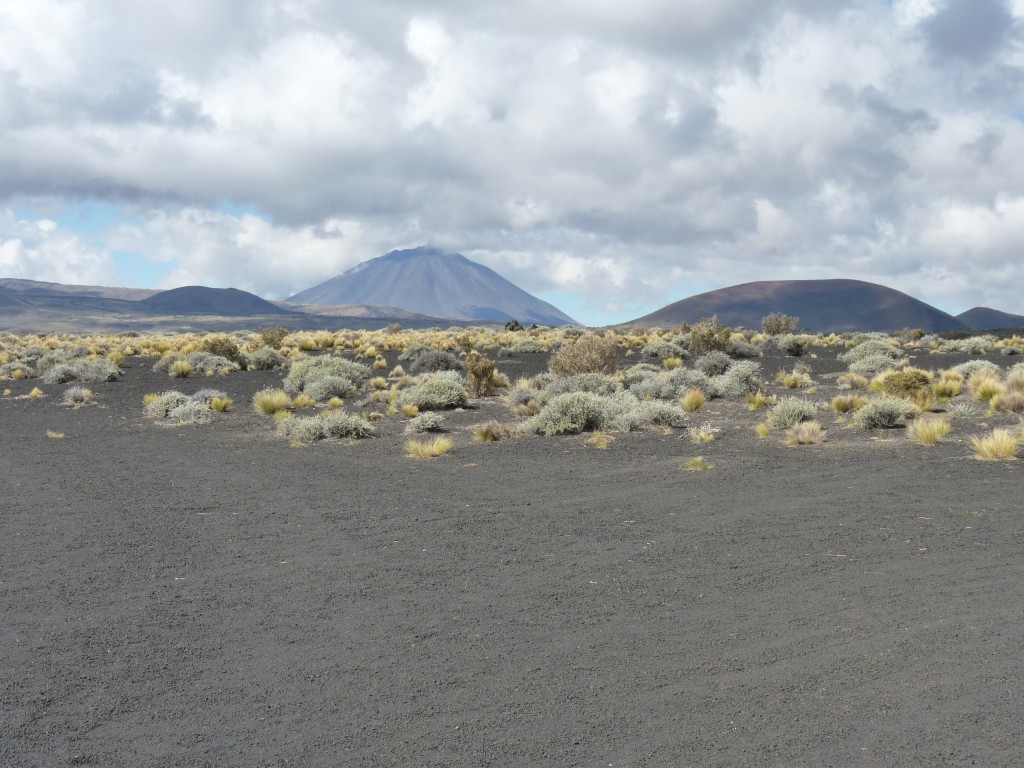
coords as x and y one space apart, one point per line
693 401
805 433
492 431
271 401
928 431
77 396
999 445
428 449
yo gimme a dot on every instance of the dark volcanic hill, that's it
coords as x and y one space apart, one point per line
821 305
986 319
22 287
200 300
433 282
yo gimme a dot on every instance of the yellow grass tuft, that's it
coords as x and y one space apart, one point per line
671 363
988 388
759 400
693 401
335 402
428 449
928 431
600 439
36 392
150 398
853 380
180 369
805 433
221 404
848 403
410 411
999 445
379 382
697 464
762 430
271 401
303 400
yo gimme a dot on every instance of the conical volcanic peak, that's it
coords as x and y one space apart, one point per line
821 305
431 281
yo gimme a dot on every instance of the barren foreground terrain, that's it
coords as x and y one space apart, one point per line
209 595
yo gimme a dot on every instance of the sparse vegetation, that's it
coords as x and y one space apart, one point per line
428 449
999 445
271 401
928 431
587 354
805 433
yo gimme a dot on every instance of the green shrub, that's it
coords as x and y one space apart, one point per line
598 383
873 364
569 413
272 337
587 354
323 389
222 346
191 412
742 378
790 411
777 323
662 349
436 391
709 335
425 422
713 363
165 403
906 383
99 369
646 413
882 412
792 344
435 360
480 376
263 359
334 424
311 369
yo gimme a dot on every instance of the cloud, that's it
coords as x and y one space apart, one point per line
627 155
41 250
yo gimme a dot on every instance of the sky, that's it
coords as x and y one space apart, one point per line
608 157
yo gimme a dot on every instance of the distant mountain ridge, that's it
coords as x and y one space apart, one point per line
431 281
987 319
200 300
821 305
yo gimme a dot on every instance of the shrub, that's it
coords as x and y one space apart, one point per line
425 422
883 412
208 395
180 369
633 414
528 347
271 401
75 396
873 364
222 346
587 354
963 410
273 337
742 378
790 411
999 445
792 344
325 388
709 335
331 424
906 383
309 370
434 360
264 359
928 431
805 433
569 413
96 370
713 363
598 383
437 391
852 381
161 406
662 349
777 323
973 366
190 412
741 349
429 449
870 347
481 374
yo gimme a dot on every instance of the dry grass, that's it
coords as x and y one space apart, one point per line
1011 402
999 445
303 401
54 435
335 402
492 431
671 363
762 430
848 403
600 439
428 449
1015 380
693 401
36 392
697 464
410 411
805 433
928 431
220 404
853 381
180 369
150 398
379 382
760 400
988 388
271 401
